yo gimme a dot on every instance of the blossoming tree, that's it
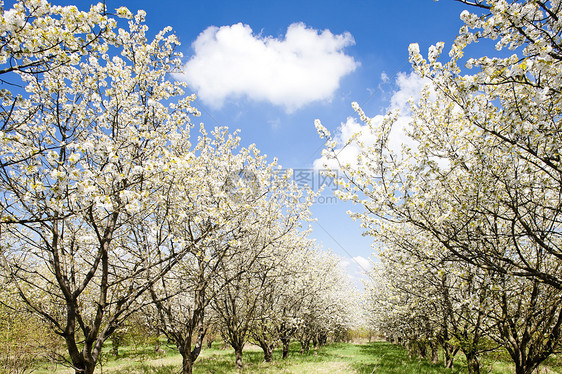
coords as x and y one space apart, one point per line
481 176
248 208
83 152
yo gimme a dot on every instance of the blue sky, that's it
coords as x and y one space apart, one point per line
335 52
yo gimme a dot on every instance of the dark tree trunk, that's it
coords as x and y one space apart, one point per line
267 352
448 361
85 361
524 365
187 364
472 363
188 357
238 354
115 343
285 342
449 353
305 346
422 349
434 352
411 346
188 354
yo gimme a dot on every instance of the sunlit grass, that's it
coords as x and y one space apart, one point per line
368 358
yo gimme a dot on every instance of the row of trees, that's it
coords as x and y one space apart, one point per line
108 208
468 218
266 296
285 294
431 302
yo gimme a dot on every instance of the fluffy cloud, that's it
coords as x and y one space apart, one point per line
303 67
363 263
409 87
357 269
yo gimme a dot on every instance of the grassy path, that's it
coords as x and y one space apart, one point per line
368 358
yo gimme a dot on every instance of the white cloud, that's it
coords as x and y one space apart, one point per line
363 263
357 265
357 269
344 264
409 88
349 153
384 77
304 66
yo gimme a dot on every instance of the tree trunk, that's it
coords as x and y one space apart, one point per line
448 360
523 365
238 353
527 369
188 354
449 354
305 345
115 342
411 349
285 342
267 352
434 352
188 357
422 349
187 364
85 367
472 363
86 363
89 368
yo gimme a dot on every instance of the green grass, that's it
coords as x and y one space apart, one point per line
368 358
